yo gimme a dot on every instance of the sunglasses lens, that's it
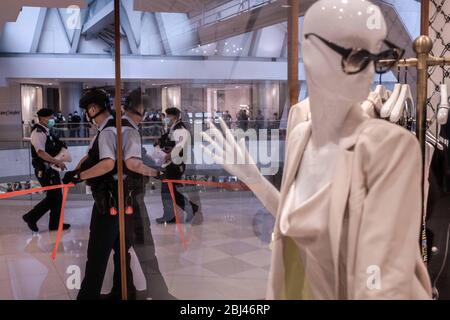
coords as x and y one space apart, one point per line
356 61
392 55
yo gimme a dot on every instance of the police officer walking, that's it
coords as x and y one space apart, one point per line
44 148
136 177
174 142
98 169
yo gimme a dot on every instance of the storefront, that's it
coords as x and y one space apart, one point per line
225 150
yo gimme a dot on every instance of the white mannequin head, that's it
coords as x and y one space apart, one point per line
349 24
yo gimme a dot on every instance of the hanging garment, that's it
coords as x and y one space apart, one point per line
438 218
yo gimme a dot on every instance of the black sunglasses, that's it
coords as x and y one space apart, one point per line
355 60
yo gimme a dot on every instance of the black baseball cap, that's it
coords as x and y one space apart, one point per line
45 112
95 96
173 112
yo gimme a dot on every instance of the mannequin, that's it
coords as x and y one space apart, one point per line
337 214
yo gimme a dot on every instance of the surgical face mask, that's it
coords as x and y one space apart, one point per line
167 121
88 117
51 123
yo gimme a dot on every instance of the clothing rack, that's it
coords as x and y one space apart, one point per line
422 47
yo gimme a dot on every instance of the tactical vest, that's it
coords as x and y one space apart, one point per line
133 180
165 142
93 157
53 147
173 170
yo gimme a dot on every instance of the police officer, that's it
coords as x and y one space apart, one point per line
136 177
44 147
98 169
174 142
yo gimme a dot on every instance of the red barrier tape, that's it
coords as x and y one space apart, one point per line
66 188
12 194
170 183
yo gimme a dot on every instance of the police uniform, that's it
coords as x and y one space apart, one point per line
104 227
143 244
42 139
175 139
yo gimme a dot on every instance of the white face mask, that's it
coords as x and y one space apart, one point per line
90 119
167 121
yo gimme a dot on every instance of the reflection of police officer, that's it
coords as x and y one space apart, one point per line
98 168
136 178
44 147
174 141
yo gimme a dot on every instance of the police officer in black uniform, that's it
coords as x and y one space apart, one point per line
44 148
173 143
136 176
98 169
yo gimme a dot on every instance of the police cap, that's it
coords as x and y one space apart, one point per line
45 112
95 96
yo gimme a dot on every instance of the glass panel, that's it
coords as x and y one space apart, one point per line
177 76
46 61
211 60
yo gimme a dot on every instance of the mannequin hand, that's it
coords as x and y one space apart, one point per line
72 177
231 154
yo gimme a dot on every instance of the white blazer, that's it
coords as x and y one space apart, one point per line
376 190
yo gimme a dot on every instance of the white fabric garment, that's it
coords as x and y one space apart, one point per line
307 224
65 156
158 156
373 220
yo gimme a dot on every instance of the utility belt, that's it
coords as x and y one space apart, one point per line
174 171
134 186
105 194
43 170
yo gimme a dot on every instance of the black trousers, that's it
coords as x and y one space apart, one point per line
103 237
166 198
51 202
144 247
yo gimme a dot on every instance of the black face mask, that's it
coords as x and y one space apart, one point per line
92 119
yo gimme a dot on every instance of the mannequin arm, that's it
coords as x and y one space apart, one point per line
267 194
242 165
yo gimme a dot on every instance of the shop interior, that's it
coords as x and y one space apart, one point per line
233 62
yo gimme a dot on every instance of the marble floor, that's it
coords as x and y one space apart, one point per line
225 257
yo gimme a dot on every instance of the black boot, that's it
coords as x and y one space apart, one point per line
31 224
